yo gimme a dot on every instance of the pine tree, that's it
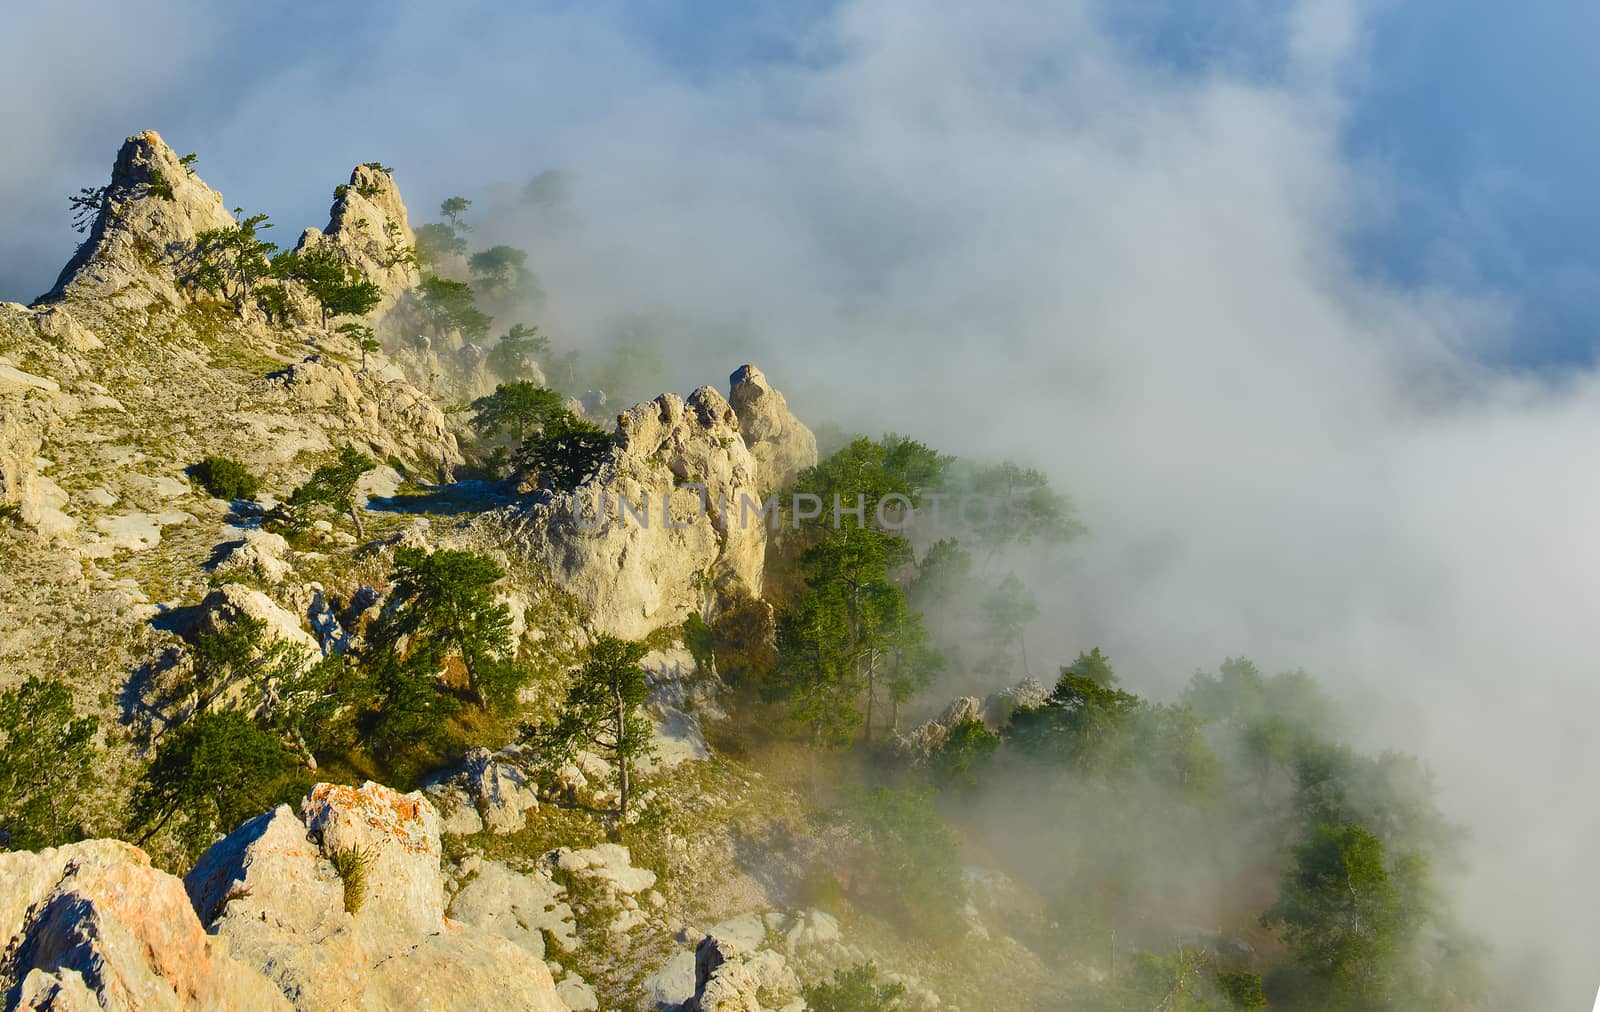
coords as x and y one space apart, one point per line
46 764
602 715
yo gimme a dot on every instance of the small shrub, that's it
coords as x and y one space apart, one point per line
855 989
10 514
226 478
160 185
352 864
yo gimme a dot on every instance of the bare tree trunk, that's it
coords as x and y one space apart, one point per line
622 757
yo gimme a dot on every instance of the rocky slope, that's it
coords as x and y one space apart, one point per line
497 886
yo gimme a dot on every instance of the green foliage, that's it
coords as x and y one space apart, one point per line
188 160
442 607
1006 610
352 865
274 301
913 857
380 167
231 260
1242 989
85 205
207 777
968 746
437 241
453 208
1083 724
364 338
331 487
602 714
565 452
159 185
1181 982
745 651
855 989
397 252
852 636
47 756
942 575
449 305
1028 510
510 356
501 272
10 513
701 642
1342 910
341 191
520 407
226 478
1095 666
290 692
339 288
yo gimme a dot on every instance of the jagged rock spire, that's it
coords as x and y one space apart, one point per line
369 226
153 206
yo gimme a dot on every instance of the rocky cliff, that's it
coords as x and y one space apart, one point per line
338 906
657 533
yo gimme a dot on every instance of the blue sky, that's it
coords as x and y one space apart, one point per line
1474 122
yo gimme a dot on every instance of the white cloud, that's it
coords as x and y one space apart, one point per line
1003 229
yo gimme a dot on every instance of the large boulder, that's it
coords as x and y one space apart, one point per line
488 789
93 926
385 412
373 936
521 908
928 737
397 836
234 602
730 978
781 443
633 576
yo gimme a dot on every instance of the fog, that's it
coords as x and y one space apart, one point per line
1009 233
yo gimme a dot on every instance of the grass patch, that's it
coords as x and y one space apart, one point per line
352 864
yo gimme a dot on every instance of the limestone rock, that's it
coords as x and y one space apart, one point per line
369 228
519 908
609 863
633 576
20 440
925 739
999 706
57 325
673 983
462 969
268 891
271 889
781 443
585 781
133 253
93 925
577 993
257 553
399 835
499 791
729 979
392 417
234 601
